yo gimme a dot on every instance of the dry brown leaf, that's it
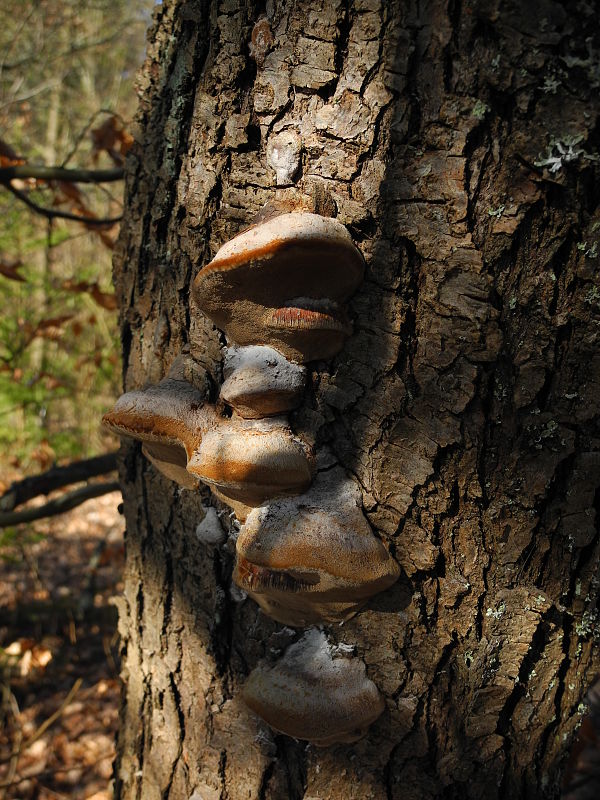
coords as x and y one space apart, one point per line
44 455
112 138
52 328
51 382
53 322
8 157
105 300
71 192
28 655
77 328
10 271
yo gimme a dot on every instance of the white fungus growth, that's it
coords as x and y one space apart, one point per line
341 649
210 531
237 595
283 155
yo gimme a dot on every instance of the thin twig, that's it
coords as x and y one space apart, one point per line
59 505
17 745
51 213
84 131
42 87
46 723
75 48
53 717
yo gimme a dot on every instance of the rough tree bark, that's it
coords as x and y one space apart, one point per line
465 402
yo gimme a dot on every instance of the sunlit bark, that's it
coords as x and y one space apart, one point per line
458 144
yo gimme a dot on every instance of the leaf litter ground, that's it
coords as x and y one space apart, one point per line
59 664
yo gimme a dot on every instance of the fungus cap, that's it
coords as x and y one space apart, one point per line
252 461
282 283
261 382
169 419
309 694
241 510
313 558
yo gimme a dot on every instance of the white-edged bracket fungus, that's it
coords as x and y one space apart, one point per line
309 694
314 558
251 461
169 419
261 382
283 283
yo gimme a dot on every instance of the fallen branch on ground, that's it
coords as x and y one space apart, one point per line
58 505
55 478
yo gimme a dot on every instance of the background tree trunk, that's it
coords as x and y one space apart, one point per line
465 402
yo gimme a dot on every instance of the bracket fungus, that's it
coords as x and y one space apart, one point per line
245 462
251 461
283 283
169 419
261 382
309 694
313 558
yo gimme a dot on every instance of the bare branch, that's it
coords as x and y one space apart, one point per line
27 95
77 47
52 213
61 174
59 505
55 478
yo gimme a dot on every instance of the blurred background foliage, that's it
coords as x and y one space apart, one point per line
67 70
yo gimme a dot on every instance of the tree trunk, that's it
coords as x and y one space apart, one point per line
458 143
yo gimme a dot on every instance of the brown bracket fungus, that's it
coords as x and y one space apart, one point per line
251 461
241 510
283 283
310 694
261 382
313 558
172 463
169 419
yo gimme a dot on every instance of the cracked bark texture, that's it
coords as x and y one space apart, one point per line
465 402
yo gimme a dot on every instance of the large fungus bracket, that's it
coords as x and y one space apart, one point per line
305 553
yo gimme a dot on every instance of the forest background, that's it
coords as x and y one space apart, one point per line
67 95
67 70
66 98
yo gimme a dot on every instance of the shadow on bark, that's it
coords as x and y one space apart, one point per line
473 648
